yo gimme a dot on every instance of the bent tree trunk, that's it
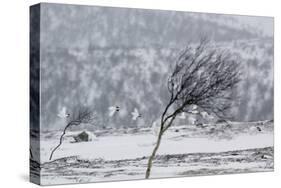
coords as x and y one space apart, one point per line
61 140
161 132
149 165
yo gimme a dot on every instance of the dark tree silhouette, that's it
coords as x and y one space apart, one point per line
204 76
82 115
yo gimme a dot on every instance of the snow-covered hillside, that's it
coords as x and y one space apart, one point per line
136 78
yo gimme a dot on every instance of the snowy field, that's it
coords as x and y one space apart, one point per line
185 151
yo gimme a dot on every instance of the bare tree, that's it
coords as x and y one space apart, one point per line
204 76
82 115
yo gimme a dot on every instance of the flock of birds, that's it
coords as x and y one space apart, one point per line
113 110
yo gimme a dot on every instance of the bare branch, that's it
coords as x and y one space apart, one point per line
204 76
82 115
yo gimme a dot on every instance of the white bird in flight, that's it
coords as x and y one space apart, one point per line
113 110
62 113
135 114
204 114
194 110
182 115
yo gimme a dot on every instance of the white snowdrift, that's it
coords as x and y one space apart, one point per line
129 146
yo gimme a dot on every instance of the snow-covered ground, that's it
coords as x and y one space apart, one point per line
133 146
122 154
75 170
